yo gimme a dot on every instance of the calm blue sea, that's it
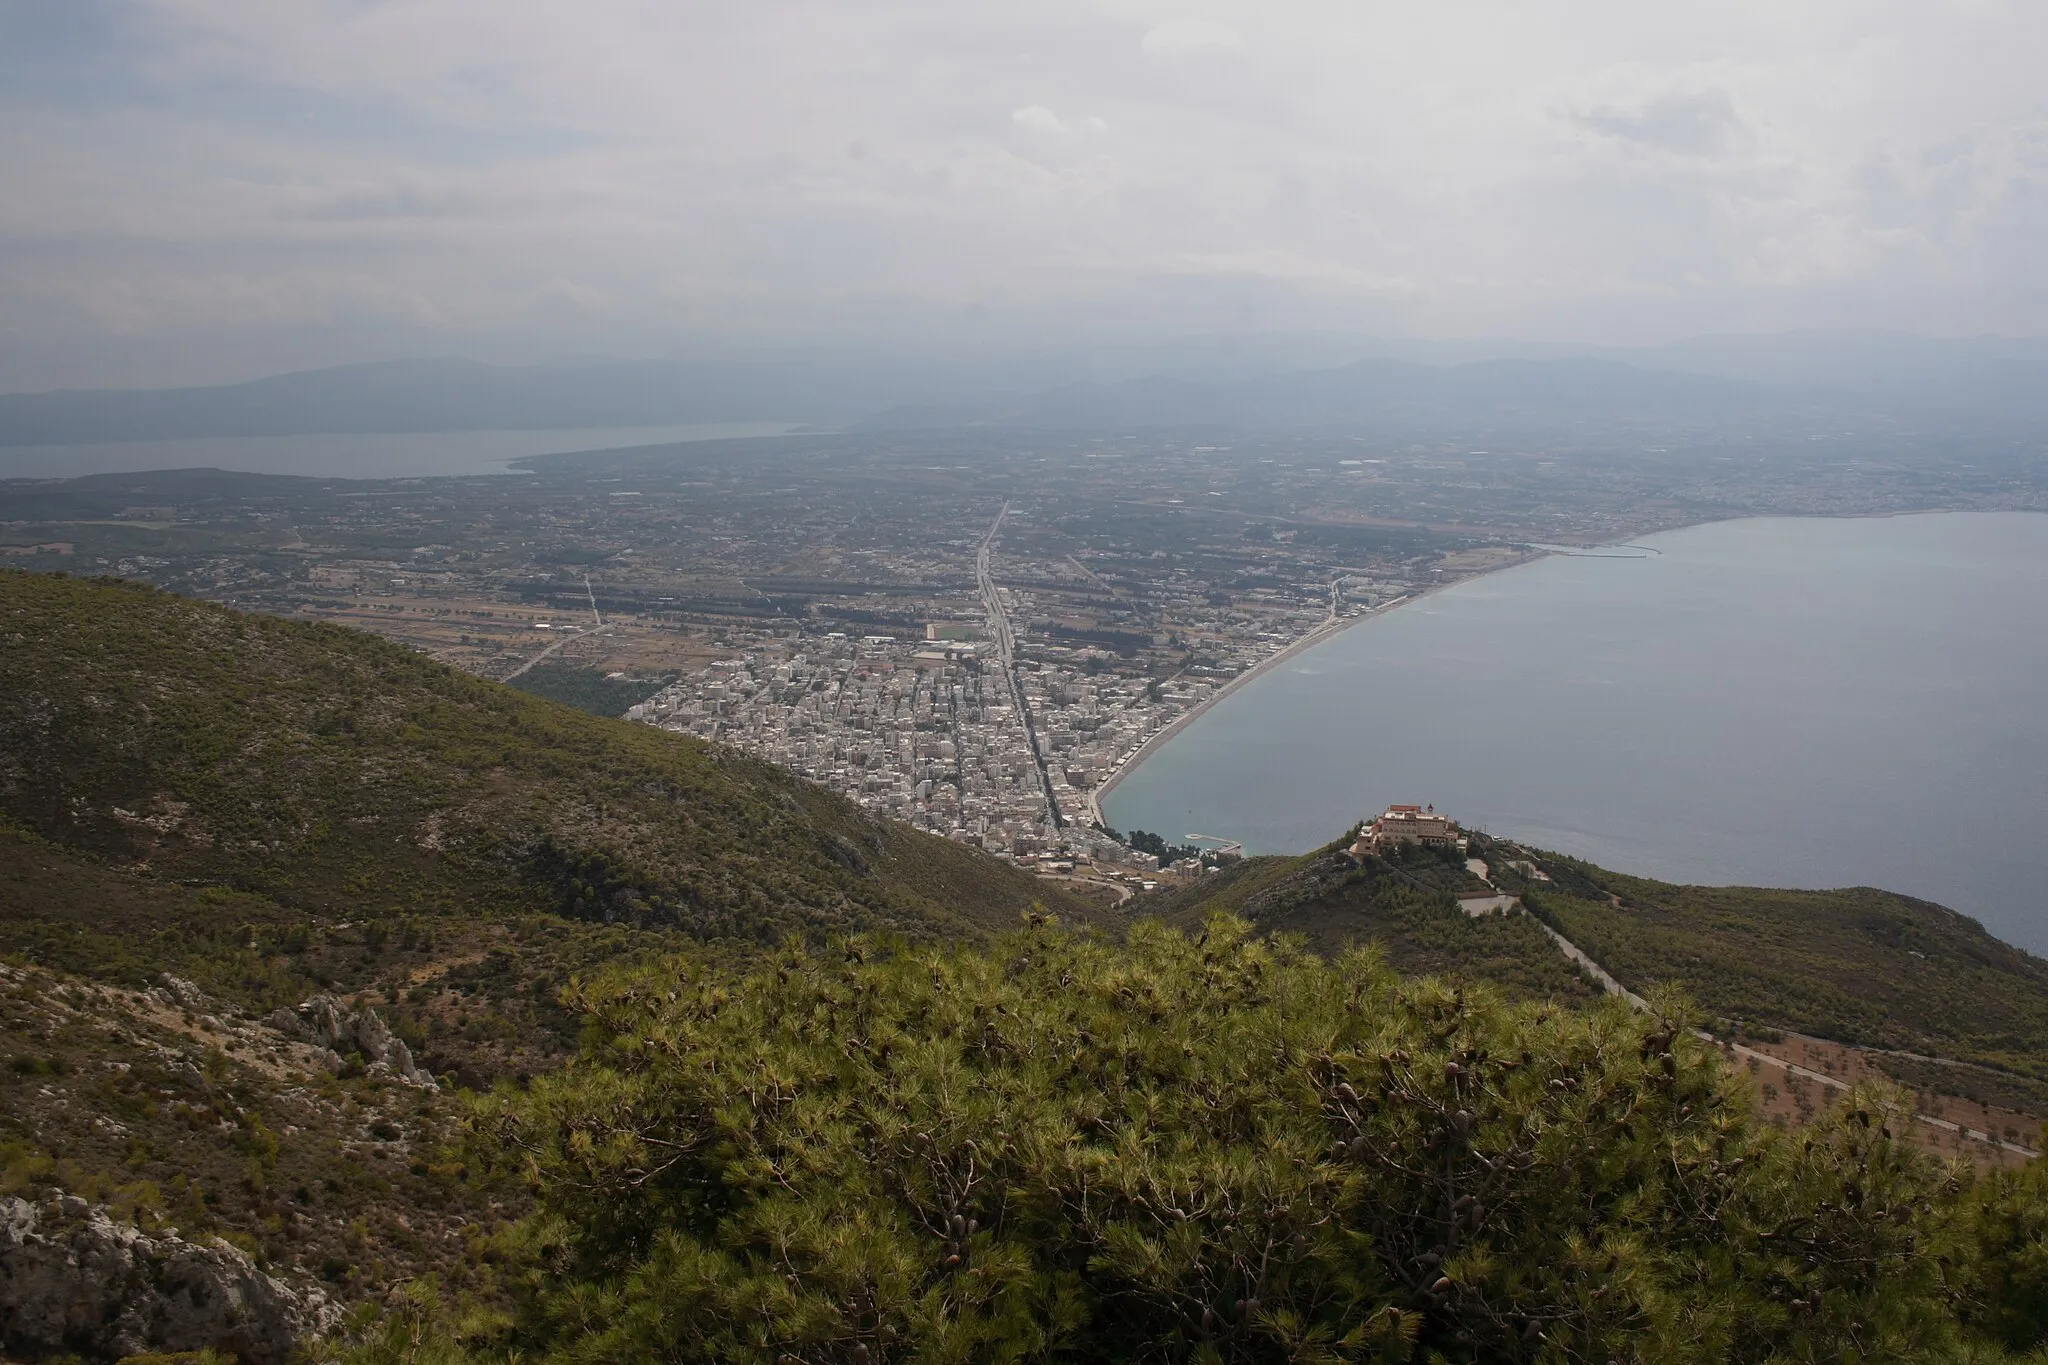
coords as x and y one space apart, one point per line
1779 701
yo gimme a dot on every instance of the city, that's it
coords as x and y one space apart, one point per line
973 632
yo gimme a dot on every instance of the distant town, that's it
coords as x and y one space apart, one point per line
975 632
952 731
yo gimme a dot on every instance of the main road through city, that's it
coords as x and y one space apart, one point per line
1006 653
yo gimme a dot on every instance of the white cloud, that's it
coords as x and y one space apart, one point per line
344 178
1699 123
1183 34
1038 119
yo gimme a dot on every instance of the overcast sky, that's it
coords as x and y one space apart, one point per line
203 189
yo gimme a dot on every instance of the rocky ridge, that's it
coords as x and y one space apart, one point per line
177 1174
325 1022
74 1279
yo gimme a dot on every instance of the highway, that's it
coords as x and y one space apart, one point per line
1006 655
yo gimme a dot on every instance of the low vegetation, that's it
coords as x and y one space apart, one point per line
1212 1147
335 772
1858 965
706 1090
588 689
1406 903
272 811
182 1115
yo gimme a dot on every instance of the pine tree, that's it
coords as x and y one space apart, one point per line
1220 1149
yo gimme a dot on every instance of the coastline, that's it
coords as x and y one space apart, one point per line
1327 631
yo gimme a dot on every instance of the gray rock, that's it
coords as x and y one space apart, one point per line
373 1035
73 1279
184 992
325 1022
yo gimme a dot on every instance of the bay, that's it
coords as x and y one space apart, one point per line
372 455
1774 701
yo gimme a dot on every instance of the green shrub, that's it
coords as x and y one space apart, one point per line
1212 1148
2007 1226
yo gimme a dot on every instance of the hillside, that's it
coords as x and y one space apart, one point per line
1406 906
278 900
1208 1148
209 819
1860 966
1857 964
336 773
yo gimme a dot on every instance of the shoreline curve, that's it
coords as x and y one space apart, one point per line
1327 631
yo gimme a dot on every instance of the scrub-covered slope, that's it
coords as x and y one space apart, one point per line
1856 964
1405 904
1859 965
335 772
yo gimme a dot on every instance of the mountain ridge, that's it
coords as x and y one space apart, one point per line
215 827
1983 380
1381 391
1860 966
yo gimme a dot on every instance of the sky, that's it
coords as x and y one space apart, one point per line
201 190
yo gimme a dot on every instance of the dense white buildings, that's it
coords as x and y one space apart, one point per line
926 733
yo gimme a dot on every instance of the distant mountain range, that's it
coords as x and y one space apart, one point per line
1377 391
400 395
1257 381
1997 372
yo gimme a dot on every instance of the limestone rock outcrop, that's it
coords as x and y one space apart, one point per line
73 1279
326 1022
183 992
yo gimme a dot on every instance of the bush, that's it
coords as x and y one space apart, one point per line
2007 1227
1212 1148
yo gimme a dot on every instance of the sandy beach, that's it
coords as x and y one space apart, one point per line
1326 631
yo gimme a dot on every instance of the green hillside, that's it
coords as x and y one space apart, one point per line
1211 1148
765 1083
334 772
587 689
271 812
1407 906
1859 965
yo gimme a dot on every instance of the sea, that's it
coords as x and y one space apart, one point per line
379 455
1810 702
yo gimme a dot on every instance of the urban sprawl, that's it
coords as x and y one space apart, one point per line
972 632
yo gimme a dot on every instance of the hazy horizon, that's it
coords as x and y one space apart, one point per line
201 192
1247 353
